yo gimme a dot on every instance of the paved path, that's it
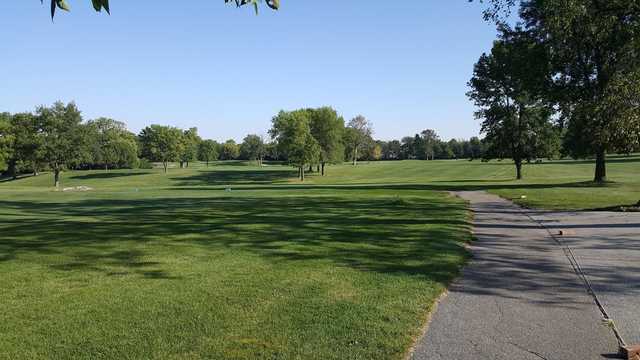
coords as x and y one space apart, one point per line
519 297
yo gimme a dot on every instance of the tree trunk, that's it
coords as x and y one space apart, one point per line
186 164
518 169
601 167
322 169
318 168
207 163
165 165
56 178
12 169
355 156
310 168
106 167
302 173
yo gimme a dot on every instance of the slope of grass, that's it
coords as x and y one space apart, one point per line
148 265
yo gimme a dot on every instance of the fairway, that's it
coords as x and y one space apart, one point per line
241 262
148 265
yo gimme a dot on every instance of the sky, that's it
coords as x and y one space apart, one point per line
404 65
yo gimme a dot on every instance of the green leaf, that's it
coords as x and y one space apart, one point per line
62 4
97 4
105 5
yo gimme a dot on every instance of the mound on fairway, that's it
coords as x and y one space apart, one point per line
148 265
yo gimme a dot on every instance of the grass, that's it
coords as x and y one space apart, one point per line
559 185
240 262
149 265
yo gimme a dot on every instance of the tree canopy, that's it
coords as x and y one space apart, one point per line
161 143
508 86
293 134
328 129
358 133
253 148
595 68
208 151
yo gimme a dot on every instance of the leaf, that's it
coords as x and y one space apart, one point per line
97 4
105 5
62 4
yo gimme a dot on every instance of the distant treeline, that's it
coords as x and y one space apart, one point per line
57 137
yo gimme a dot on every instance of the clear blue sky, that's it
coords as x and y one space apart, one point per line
402 64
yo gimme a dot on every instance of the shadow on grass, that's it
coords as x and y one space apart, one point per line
227 177
465 185
106 175
422 237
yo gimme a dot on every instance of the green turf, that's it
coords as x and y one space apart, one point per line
563 185
240 262
148 265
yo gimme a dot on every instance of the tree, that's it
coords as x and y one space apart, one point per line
358 134
328 129
99 5
293 134
161 143
253 148
208 151
456 148
430 139
508 86
190 143
391 150
230 150
61 138
475 148
112 144
407 147
6 139
596 69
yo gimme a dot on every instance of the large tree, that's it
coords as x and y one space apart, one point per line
430 140
508 86
208 151
253 148
358 134
293 134
161 143
230 150
328 129
190 142
6 139
596 69
62 142
112 144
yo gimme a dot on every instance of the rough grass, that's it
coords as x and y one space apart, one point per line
149 265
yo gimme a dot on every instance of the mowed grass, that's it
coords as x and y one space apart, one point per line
560 185
240 262
148 265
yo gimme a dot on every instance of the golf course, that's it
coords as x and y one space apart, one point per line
240 261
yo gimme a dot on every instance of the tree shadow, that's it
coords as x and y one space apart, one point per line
230 177
106 175
445 186
385 234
